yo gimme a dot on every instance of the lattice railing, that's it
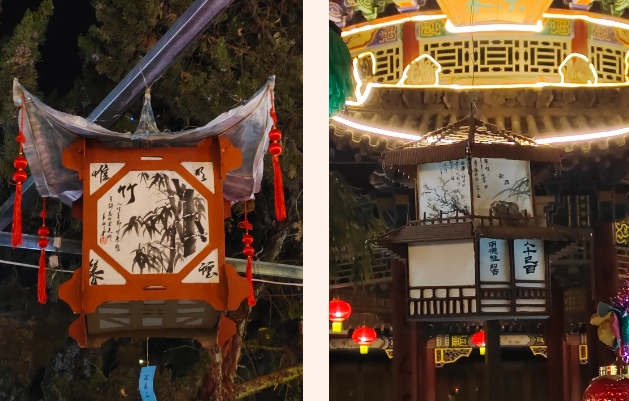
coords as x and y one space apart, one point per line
609 62
388 63
490 57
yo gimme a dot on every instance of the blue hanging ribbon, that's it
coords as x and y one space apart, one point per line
147 374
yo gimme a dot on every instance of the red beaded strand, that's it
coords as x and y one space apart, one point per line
19 176
275 149
248 251
43 233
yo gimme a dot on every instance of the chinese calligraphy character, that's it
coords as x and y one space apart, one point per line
512 4
207 269
130 188
102 173
493 257
199 172
529 264
95 274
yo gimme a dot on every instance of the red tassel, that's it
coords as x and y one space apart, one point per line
275 149
19 176
251 299
41 278
16 227
280 206
247 239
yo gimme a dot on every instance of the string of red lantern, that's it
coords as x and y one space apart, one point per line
339 311
19 176
247 239
275 149
43 232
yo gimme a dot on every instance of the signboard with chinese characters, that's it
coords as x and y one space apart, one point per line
529 262
147 375
494 260
482 12
444 189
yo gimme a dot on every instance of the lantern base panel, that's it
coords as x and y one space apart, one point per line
364 349
337 327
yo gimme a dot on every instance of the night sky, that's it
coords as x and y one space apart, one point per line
60 63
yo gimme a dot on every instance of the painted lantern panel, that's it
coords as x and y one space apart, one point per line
152 222
502 186
444 189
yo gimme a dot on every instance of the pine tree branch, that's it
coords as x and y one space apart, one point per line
273 379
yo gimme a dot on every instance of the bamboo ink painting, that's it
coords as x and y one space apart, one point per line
154 222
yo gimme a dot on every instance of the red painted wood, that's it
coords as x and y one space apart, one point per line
410 45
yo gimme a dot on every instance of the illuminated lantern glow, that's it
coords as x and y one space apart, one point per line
339 311
612 384
364 336
478 339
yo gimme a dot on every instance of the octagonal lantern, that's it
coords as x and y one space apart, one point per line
153 242
477 247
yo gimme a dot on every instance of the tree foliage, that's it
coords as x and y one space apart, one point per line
249 42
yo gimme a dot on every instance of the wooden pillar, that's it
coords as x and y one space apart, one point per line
404 362
572 369
493 370
604 287
580 38
410 44
556 346
430 377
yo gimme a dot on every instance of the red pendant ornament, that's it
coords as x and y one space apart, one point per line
275 149
339 311
364 336
478 339
19 176
247 239
43 233
612 384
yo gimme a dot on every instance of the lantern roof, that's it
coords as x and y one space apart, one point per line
469 137
468 227
49 132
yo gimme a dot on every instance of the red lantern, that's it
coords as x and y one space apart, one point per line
339 311
364 336
612 384
478 339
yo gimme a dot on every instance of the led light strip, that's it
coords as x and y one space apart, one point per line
542 141
538 27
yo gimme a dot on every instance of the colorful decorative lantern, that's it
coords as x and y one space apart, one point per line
364 336
478 339
153 206
339 311
612 320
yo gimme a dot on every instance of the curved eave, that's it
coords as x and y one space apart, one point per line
393 116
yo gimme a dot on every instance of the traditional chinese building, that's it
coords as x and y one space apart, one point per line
552 72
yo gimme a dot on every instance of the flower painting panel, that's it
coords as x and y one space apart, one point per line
152 222
444 189
501 186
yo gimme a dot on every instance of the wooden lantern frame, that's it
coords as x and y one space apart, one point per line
84 298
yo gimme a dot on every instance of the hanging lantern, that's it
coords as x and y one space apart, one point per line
339 311
478 339
364 336
612 384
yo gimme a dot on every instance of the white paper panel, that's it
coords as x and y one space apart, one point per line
530 262
101 273
494 260
442 264
203 171
206 272
100 173
143 224
444 187
501 180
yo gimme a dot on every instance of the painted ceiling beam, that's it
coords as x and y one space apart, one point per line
194 21
74 247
